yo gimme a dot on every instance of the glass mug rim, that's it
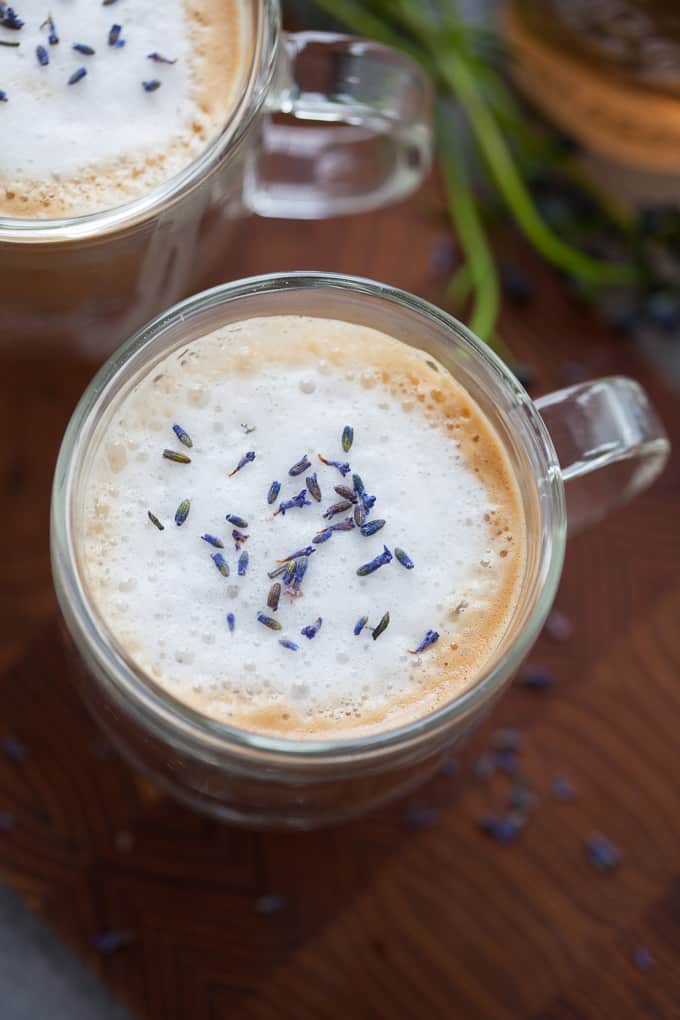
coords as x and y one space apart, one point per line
120 217
160 709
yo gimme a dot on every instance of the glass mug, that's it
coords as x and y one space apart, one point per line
87 281
610 445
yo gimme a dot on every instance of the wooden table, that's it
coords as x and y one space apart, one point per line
380 919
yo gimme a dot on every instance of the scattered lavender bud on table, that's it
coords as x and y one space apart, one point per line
107 942
307 551
10 19
558 626
337 508
231 622
346 525
154 520
13 748
485 767
602 854
562 789
359 516
273 493
507 740
416 818
521 798
290 645
88 51
270 904
42 55
274 596
239 538
535 678
503 829
242 564
360 624
3 96
506 761
643 959
151 85
323 536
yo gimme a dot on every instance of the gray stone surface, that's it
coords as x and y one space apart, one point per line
39 978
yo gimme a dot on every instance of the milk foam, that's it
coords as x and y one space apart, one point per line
421 446
71 149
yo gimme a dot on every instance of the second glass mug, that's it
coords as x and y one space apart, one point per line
85 282
610 445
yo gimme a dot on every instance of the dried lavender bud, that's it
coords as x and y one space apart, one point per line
313 486
337 508
288 644
360 624
371 527
178 458
221 564
346 492
237 521
347 438
404 559
73 80
152 85
312 629
231 622
379 561
247 458
297 501
181 433
274 596
323 536
430 638
242 564
42 55
268 621
182 512
154 520
382 626
299 467
88 51
602 854
273 493
343 468
213 540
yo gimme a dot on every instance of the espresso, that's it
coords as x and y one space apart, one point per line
103 103
328 459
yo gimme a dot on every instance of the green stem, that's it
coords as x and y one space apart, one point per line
470 232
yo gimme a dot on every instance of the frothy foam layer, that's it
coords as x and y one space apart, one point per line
70 149
284 388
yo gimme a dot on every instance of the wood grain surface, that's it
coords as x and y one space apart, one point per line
413 912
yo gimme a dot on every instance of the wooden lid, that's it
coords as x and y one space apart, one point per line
616 119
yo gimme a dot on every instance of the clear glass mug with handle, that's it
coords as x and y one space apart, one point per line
576 453
83 283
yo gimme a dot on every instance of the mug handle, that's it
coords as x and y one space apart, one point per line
610 443
372 140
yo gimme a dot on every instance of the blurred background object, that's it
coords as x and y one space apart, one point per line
564 118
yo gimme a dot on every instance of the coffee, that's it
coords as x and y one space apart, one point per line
104 102
192 604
